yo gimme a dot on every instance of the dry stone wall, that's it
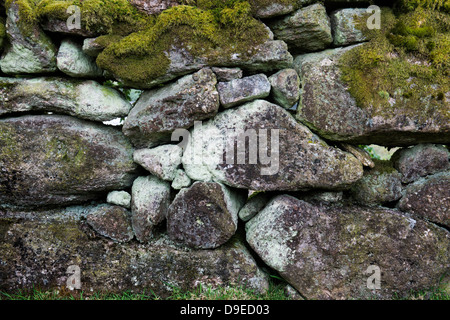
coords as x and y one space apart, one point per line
162 144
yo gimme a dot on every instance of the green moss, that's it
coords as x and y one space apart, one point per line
26 14
404 66
2 28
411 5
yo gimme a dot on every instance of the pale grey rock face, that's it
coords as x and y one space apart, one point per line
281 155
346 26
307 29
429 198
120 198
60 160
30 51
227 74
205 215
150 199
181 180
74 62
270 9
285 87
253 205
324 251
91 47
83 99
159 112
238 91
151 7
162 161
420 161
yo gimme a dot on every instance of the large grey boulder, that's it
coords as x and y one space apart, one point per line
429 198
327 251
281 154
159 112
162 161
420 161
348 26
58 160
307 29
238 91
30 51
150 199
36 248
83 99
205 215
328 108
74 62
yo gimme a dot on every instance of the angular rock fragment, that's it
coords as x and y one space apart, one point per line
227 74
162 161
285 87
181 180
253 205
74 62
238 91
348 26
120 198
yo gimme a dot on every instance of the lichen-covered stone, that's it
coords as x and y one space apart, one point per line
238 91
112 222
57 160
162 161
274 8
74 62
347 26
360 154
281 154
420 161
429 198
324 251
36 252
83 99
307 29
181 180
30 50
154 6
91 47
328 108
204 216
150 199
381 184
254 204
285 87
120 198
227 74
159 112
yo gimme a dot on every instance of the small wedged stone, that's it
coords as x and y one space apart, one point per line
181 180
91 47
72 61
120 198
227 74
162 161
285 87
238 91
254 204
346 26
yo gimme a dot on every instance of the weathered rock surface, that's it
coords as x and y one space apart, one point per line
83 99
55 25
270 9
36 252
151 7
91 47
159 112
74 62
112 222
57 160
149 204
285 87
381 184
253 205
421 160
162 161
324 251
238 91
120 198
328 108
346 26
181 180
429 198
227 74
30 50
307 29
288 155
360 154
204 216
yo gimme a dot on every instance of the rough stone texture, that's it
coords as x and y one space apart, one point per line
345 26
285 87
379 185
420 161
254 204
227 74
36 252
321 196
30 51
337 117
159 112
204 216
58 160
238 91
120 198
324 250
60 26
149 204
91 47
83 99
151 7
307 29
181 180
112 222
429 198
270 55
360 154
74 62
298 159
162 161
270 9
